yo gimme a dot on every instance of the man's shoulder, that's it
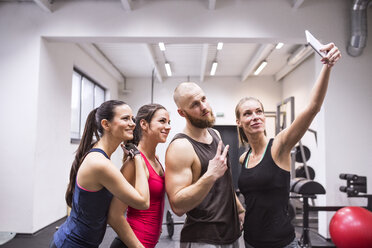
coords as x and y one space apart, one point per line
180 141
179 136
180 150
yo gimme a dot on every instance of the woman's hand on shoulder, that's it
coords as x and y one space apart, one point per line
130 150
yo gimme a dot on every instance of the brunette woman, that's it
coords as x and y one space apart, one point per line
94 179
142 228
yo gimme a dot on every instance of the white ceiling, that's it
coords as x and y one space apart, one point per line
189 60
195 60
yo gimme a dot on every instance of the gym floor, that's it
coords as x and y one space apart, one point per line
42 238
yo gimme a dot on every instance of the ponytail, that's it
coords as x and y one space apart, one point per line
85 145
92 127
243 140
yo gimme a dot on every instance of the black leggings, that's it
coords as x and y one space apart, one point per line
117 243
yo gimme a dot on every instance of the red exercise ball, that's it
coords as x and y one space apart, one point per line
351 227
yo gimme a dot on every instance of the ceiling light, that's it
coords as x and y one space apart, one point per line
260 67
219 46
161 46
279 45
214 68
168 69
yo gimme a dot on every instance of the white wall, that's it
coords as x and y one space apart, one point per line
347 121
54 153
27 150
37 159
19 53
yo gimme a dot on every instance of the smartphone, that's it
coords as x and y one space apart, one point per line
314 43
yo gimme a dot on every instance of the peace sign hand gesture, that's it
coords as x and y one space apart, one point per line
218 165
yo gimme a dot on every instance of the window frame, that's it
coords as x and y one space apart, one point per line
83 75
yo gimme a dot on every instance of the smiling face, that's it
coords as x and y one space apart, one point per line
159 126
122 125
250 117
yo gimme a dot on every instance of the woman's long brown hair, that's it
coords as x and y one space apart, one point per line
92 127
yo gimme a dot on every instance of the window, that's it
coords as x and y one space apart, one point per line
86 95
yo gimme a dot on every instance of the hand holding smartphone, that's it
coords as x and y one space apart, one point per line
314 43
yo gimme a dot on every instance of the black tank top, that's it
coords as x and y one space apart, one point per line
215 220
266 191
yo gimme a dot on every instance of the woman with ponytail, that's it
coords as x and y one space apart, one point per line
142 228
94 179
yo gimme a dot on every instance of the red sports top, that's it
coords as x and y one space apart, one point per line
147 224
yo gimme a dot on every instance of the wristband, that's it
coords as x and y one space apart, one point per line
132 150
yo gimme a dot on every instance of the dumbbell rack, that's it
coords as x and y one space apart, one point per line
354 186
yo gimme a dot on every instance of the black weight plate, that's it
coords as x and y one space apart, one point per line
170 224
299 156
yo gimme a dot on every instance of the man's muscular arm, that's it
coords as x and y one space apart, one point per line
183 194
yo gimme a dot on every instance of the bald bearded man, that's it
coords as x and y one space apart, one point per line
198 177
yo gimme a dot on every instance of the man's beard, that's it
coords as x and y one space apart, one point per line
201 123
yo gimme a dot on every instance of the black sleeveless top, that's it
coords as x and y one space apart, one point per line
266 191
215 220
85 227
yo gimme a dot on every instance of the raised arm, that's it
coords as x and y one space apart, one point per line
116 217
184 191
286 139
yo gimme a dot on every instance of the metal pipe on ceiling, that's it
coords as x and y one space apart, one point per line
358 37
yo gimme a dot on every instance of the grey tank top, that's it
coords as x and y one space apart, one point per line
215 220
